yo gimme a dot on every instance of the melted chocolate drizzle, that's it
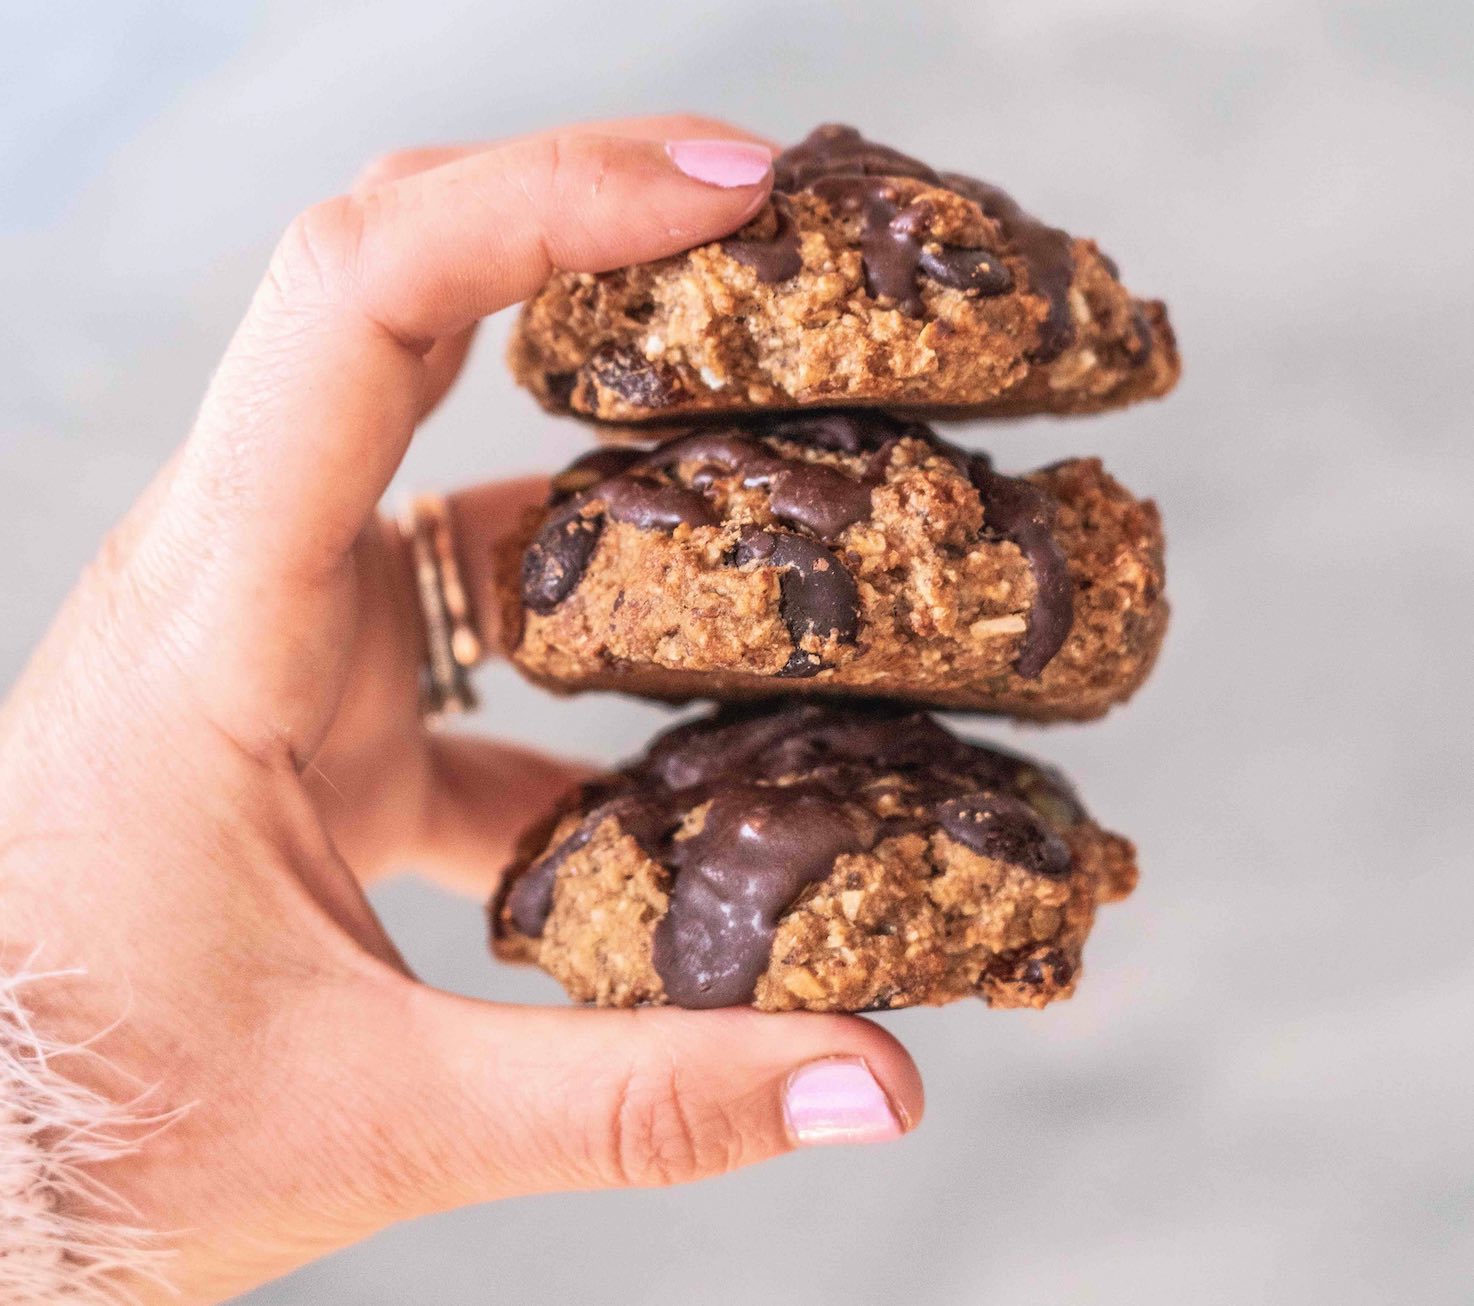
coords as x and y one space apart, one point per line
1015 510
775 257
1047 252
759 846
855 175
819 599
781 785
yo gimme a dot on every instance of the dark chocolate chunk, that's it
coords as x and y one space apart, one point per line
530 901
561 386
591 468
843 430
555 560
801 664
1050 967
966 269
819 498
719 450
1142 340
646 817
653 506
1006 828
817 595
890 241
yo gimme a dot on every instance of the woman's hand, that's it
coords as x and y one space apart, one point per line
219 742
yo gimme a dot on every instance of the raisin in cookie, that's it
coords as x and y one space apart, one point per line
868 279
827 858
848 552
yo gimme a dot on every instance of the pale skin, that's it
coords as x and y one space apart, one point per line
218 745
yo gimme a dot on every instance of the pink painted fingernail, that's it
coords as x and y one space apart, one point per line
838 1101
721 163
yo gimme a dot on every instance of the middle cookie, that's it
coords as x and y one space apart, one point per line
849 553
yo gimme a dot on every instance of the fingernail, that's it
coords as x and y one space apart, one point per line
838 1101
721 163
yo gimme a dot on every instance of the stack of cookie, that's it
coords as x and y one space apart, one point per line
786 536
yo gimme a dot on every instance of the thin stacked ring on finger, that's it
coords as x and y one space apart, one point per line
452 645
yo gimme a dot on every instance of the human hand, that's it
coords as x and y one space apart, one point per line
219 742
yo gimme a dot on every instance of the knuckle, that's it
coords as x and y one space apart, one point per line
657 1137
560 178
542 170
318 253
568 168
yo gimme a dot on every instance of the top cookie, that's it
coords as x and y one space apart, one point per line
868 279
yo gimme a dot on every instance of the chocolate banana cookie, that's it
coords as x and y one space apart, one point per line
868 279
828 858
848 552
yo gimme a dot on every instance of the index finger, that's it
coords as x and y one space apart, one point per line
320 387
314 404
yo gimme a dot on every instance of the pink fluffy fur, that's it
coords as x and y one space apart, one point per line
64 1237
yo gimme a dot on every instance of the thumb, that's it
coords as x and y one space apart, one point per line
519 1100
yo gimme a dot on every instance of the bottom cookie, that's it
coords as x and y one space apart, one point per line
820 857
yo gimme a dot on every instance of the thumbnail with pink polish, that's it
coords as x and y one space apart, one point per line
721 163
838 1101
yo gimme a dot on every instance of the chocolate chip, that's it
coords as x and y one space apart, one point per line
820 499
653 507
1052 967
560 387
754 546
817 595
801 665
1142 341
595 466
966 269
844 430
643 816
1007 829
530 901
725 449
557 558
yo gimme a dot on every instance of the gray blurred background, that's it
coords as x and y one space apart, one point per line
1262 1092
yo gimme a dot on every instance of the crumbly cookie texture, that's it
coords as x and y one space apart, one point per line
844 553
868 279
822 858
